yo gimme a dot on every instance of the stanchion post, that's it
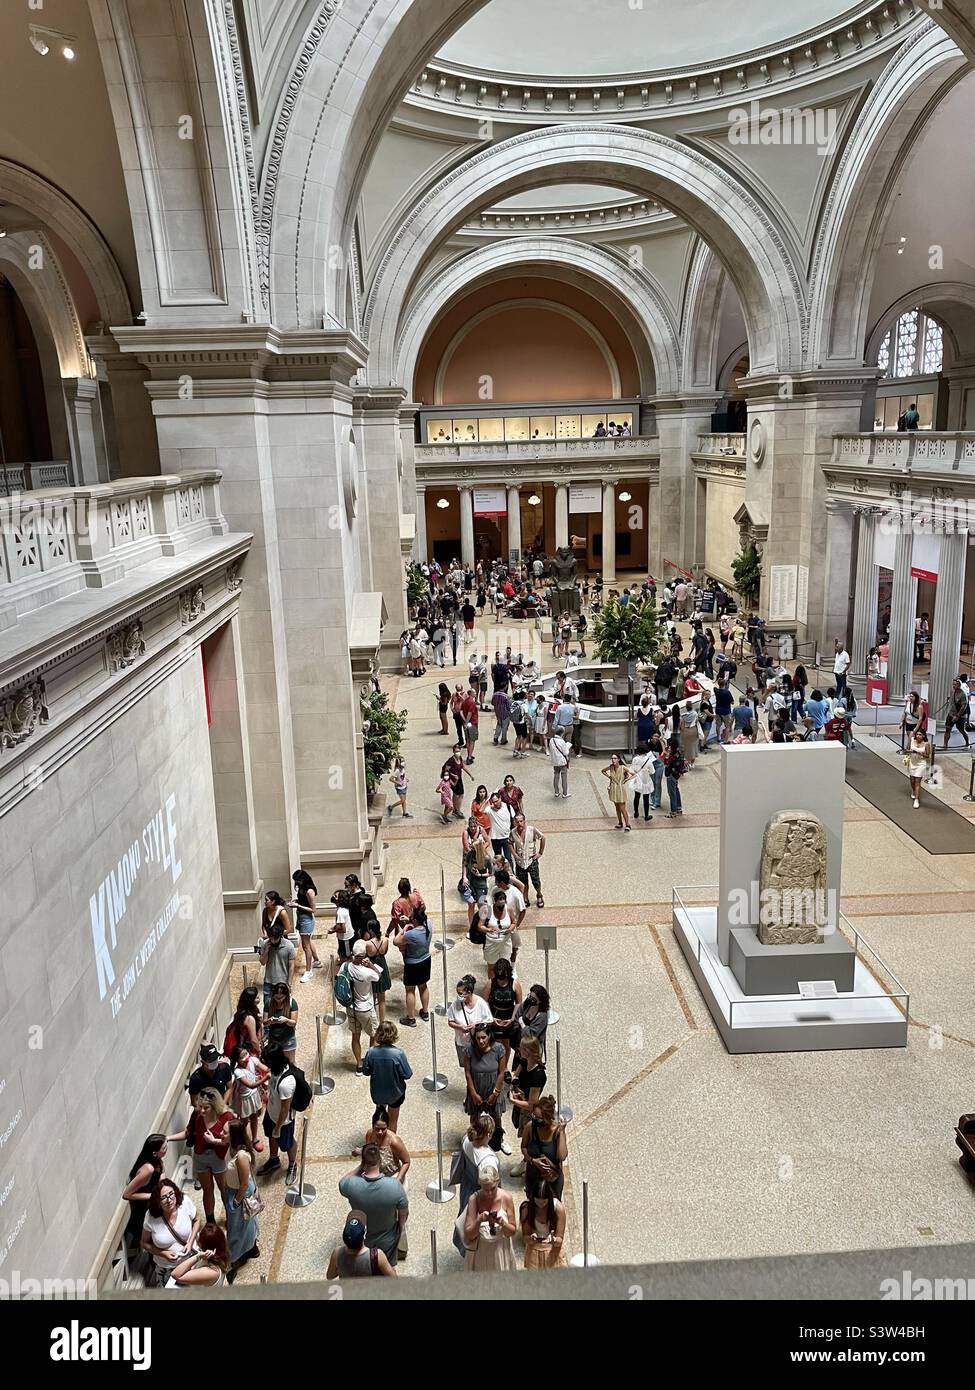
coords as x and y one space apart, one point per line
586 1260
553 1014
304 1194
443 944
245 976
441 1009
436 1191
324 1086
971 781
564 1111
433 1250
333 1019
436 1081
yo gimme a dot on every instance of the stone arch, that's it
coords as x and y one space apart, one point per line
844 259
353 65
641 308
55 210
753 248
951 302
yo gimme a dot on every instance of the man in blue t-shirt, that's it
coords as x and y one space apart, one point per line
724 703
743 715
818 711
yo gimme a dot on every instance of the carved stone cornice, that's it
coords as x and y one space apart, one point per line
770 71
222 352
21 711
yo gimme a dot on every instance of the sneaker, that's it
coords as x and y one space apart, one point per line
270 1166
916 803
291 1177
318 965
566 795
407 815
306 977
505 1147
358 1070
627 828
518 1171
425 1016
408 1022
557 795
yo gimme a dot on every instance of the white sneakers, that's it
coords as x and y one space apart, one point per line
505 1146
916 803
307 977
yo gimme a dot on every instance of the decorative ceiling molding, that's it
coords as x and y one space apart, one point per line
846 42
594 217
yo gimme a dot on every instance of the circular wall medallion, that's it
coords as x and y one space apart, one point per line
757 441
350 480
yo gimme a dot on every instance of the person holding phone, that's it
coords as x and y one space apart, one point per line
544 1148
489 1225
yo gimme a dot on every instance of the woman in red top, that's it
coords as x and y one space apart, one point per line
404 906
511 794
479 808
206 1132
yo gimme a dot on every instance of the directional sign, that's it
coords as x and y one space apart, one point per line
545 939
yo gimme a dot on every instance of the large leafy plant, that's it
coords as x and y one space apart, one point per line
627 632
416 584
747 572
382 737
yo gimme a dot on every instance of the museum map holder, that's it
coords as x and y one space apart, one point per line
866 1017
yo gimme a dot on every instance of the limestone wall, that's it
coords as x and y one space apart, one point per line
94 1027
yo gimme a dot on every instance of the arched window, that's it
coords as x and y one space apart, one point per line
913 347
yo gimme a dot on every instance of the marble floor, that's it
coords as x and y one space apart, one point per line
689 1153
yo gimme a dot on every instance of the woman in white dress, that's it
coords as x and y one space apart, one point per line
918 760
489 1225
497 933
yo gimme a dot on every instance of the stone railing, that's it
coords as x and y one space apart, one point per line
55 541
725 445
18 477
540 449
909 451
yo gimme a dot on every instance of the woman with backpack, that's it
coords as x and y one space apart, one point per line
245 1026
674 768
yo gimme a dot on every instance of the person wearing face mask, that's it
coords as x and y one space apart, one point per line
464 1013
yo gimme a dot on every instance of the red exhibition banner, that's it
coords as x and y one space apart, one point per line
929 575
686 573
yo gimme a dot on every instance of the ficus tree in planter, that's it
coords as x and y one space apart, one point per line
747 572
382 738
416 584
627 632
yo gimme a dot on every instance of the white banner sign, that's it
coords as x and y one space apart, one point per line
783 584
490 501
585 497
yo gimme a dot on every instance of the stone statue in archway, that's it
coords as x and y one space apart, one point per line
565 593
793 884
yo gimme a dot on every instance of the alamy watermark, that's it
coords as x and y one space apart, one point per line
21 1287
755 124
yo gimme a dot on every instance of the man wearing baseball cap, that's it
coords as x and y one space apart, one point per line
214 1071
352 1259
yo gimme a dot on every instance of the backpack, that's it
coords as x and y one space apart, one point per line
231 1038
517 712
302 1096
343 988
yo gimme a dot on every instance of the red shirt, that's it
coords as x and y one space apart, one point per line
469 710
197 1128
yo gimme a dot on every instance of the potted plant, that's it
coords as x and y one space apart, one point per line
382 738
747 572
627 633
416 584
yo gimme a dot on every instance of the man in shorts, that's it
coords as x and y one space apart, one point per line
279 1124
362 1016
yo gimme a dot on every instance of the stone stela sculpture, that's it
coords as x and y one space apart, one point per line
565 594
792 881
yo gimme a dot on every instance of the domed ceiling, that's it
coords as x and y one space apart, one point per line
589 38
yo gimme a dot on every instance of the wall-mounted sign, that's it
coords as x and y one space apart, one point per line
585 497
928 575
802 595
783 591
490 501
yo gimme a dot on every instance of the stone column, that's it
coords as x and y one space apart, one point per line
679 419
561 514
134 430
609 533
420 546
902 604
514 522
84 430
466 525
378 420
864 596
946 632
836 585
233 787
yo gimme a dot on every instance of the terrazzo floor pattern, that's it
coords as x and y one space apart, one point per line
690 1153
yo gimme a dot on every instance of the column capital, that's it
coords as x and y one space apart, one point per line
832 385
686 402
379 400
220 352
